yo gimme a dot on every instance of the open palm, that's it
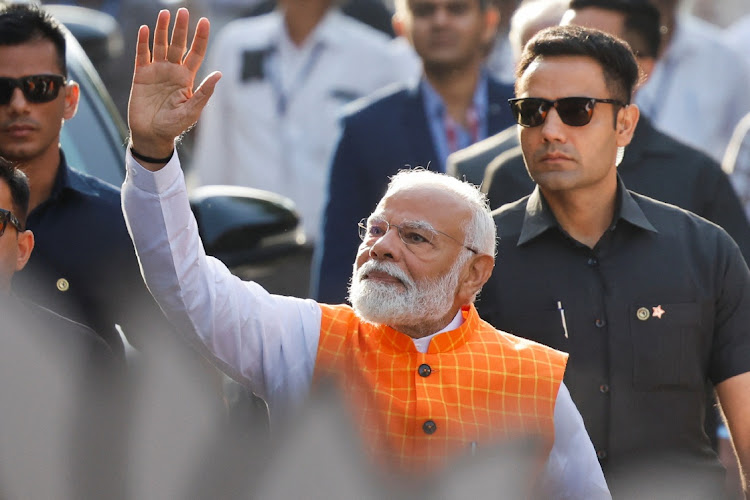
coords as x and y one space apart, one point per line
162 103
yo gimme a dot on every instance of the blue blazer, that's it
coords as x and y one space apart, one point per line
382 134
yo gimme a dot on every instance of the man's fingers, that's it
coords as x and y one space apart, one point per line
198 48
142 52
178 44
199 99
161 36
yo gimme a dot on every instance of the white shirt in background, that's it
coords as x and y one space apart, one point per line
699 90
272 122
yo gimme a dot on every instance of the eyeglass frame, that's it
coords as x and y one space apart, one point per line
19 83
554 103
7 216
362 231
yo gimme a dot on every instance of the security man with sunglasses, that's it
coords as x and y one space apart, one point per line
83 266
651 302
654 164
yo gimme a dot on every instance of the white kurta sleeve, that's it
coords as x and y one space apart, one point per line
572 470
267 341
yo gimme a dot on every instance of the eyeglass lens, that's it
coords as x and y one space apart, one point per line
411 234
35 88
5 217
573 111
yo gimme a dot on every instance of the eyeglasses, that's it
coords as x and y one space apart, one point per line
5 217
35 88
573 111
417 235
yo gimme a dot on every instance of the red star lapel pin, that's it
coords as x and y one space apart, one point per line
657 312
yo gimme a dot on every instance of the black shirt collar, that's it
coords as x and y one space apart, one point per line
539 217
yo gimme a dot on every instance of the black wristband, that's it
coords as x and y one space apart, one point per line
148 159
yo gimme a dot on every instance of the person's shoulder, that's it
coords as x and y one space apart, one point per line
93 188
489 147
383 101
682 156
249 31
509 161
677 222
509 217
357 34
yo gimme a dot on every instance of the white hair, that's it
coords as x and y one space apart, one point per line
481 233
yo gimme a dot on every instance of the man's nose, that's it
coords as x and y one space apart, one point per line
17 101
553 128
386 246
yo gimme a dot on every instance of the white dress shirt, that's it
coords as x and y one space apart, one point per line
269 341
737 36
698 91
272 122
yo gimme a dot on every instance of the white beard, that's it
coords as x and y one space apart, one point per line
408 305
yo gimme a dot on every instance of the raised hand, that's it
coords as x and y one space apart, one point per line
162 103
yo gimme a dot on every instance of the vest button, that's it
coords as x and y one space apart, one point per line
604 388
429 427
600 323
593 261
424 370
601 454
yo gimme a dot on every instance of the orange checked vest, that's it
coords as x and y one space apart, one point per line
474 387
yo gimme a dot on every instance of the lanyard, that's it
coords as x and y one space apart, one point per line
274 77
452 129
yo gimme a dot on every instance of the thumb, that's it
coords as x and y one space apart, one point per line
200 97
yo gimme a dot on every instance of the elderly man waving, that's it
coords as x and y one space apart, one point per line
425 378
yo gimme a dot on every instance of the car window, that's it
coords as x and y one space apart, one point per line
94 139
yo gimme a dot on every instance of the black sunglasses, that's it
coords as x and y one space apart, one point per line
573 111
35 88
5 217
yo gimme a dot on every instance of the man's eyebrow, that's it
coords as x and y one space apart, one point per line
418 224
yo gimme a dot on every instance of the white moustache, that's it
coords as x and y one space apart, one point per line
386 267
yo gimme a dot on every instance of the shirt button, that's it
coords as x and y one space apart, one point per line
63 285
604 388
424 370
601 454
429 427
600 323
593 261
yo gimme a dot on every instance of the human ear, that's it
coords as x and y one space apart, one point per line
627 119
25 247
72 94
477 273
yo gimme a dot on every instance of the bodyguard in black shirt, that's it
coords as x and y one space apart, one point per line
651 301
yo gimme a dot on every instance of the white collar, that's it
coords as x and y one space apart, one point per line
424 342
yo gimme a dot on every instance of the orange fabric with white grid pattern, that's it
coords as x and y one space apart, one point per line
483 386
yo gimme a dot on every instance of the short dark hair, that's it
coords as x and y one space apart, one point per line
21 23
18 184
614 56
642 24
